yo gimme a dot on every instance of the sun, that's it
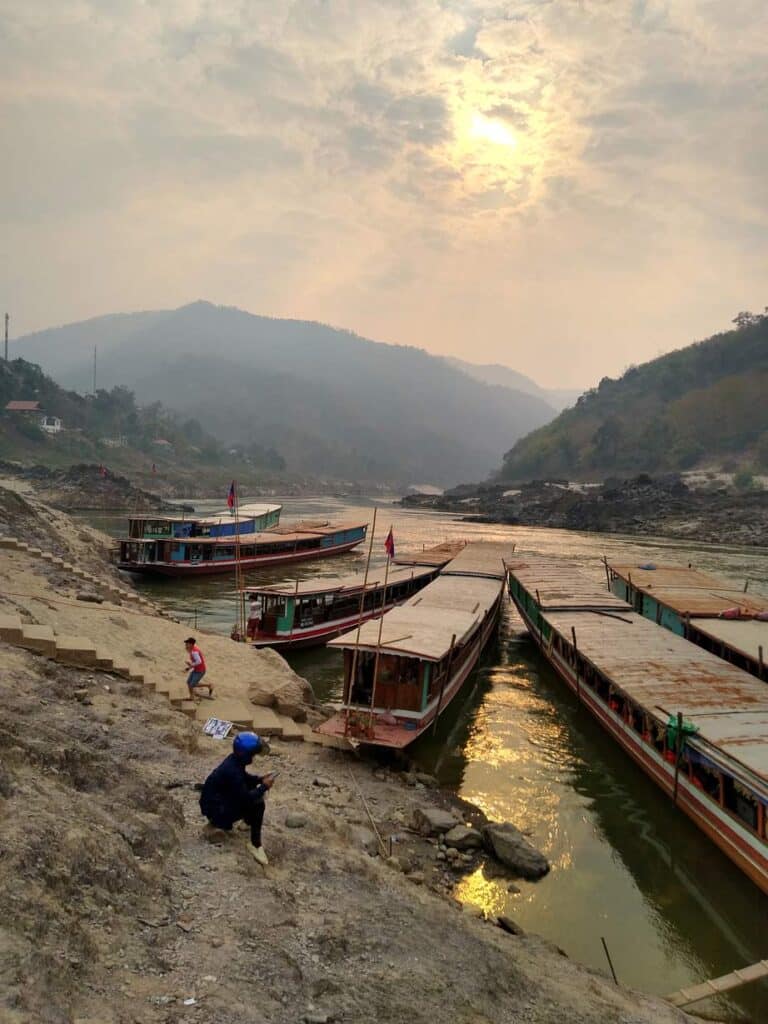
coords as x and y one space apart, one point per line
490 130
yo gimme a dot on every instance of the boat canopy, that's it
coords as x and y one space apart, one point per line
334 584
252 511
558 583
425 626
748 637
689 592
483 558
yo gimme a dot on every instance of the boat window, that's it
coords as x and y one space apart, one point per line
738 799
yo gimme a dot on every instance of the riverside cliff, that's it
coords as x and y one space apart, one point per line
663 507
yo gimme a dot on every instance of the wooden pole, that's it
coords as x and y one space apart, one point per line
442 685
576 661
378 642
746 585
678 751
608 958
241 628
760 662
360 620
607 574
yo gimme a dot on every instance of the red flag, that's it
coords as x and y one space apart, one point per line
231 495
389 544
102 470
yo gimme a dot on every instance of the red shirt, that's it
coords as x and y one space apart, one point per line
197 659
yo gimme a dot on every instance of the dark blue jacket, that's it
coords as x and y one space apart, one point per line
228 791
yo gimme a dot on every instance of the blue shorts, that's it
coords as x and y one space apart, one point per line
193 679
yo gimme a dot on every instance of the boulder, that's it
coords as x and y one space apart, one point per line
296 820
509 925
434 820
365 839
463 838
509 846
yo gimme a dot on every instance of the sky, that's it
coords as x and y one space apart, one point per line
567 187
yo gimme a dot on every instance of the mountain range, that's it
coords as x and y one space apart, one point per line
330 402
702 405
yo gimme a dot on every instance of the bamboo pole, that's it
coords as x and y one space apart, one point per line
241 627
442 685
576 662
678 752
378 642
360 620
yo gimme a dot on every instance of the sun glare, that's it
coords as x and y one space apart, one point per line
491 130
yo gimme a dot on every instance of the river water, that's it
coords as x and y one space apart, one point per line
625 865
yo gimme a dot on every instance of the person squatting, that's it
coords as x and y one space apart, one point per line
232 794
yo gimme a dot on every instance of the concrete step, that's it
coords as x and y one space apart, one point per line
35 551
38 638
11 628
135 676
103 663
188 708
291 729
8 542
239 712
76 650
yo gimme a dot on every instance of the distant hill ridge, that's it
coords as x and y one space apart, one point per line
329 401
700 404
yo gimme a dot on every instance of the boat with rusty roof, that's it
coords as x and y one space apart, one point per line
697 725
402 671
728 621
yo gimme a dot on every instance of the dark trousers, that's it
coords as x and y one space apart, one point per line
253 816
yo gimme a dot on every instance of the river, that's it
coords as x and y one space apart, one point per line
625 865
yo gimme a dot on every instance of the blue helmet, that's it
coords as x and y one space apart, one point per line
246 744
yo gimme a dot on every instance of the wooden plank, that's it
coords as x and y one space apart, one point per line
716 986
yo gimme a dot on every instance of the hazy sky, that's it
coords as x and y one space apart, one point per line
564 186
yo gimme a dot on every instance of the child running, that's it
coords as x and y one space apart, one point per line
196 664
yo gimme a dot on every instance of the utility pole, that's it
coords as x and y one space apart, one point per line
94 371
7 318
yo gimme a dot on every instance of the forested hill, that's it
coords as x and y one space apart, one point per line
702 404
332 403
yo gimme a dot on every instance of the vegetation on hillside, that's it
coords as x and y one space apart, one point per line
700 404
93 426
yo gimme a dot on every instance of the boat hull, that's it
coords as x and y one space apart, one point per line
746 852
400 736
228 565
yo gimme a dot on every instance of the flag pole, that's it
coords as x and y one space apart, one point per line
378 639
360 620
238 574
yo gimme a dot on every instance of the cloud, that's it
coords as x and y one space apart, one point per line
564 187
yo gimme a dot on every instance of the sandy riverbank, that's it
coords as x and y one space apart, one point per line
115 910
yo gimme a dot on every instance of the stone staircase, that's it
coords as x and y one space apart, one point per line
106 588
81 652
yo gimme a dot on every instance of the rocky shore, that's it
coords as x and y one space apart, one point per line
664 507
116 909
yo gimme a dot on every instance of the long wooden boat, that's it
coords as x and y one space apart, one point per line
188 546
405 669
636 678
310 612
729 622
